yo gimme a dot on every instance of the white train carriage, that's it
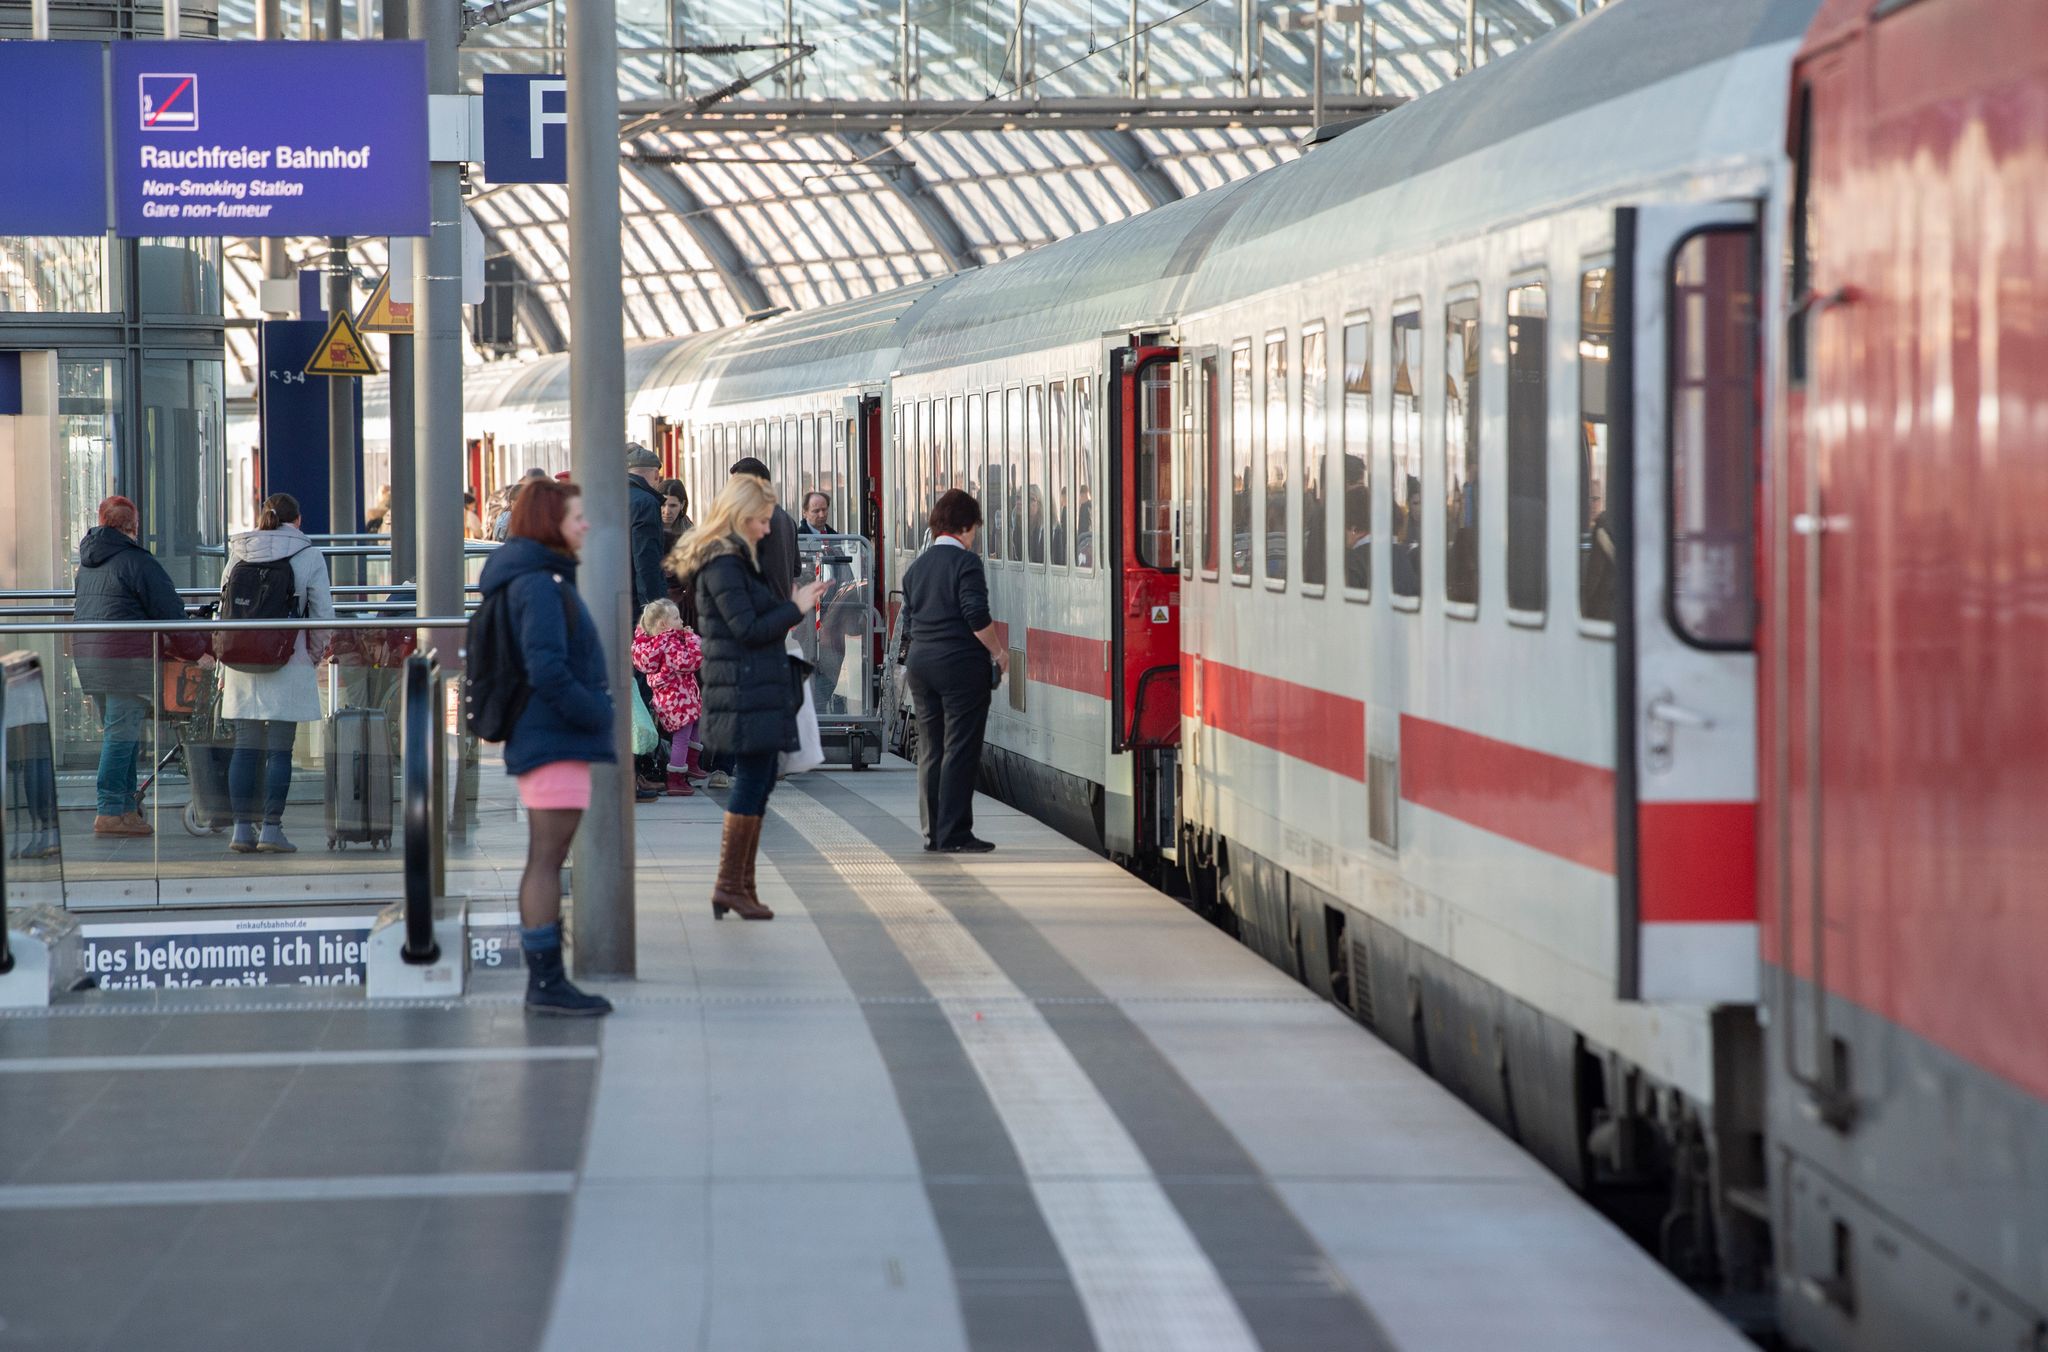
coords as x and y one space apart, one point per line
1372 540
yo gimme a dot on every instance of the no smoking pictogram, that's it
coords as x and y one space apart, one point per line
170 102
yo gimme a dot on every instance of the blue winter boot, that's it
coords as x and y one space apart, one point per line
548 988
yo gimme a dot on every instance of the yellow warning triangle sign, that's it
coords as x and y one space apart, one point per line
381 314
342 352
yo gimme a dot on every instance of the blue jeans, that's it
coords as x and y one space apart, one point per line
260 770
753 779
121 720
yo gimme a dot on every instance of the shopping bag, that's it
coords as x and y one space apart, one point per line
810 753
644 735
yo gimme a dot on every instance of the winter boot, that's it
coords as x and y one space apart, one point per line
694 764
735 866
679 784
548 988
244 839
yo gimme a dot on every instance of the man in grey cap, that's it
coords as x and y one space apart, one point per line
643 511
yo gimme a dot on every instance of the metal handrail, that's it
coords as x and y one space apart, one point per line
416 739
215 626
365 589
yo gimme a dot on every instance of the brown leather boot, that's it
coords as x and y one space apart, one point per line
735 869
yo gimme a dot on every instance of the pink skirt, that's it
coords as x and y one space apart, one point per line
556 785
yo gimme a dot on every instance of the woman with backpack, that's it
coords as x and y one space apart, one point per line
750 689
564 724
270 686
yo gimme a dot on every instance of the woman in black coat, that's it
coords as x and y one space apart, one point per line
954 652
751 688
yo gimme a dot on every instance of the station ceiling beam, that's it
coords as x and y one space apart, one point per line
1130 155
839 117
909 185
691 213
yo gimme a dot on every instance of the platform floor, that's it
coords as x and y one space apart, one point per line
1017 1101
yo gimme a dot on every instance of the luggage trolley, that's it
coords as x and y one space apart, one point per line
839 643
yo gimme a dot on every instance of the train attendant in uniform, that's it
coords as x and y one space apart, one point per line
748 684
565 727
952 643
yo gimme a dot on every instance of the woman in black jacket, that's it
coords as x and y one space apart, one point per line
751 688
954 652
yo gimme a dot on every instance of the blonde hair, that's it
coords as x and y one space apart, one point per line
660 615
744 498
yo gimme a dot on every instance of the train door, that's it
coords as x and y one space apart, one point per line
1144 590
1685 419
668 444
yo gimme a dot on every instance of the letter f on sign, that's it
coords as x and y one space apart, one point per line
537 120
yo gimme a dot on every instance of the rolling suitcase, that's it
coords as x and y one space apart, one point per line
358 779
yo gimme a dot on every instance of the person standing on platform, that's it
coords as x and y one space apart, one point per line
749 687
643 509
266 704
119 580
778 552
666 651
952 646
565 727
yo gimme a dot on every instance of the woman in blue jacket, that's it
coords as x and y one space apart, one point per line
565 727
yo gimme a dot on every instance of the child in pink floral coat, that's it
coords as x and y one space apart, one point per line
668 652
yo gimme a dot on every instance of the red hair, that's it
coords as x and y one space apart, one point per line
120 513
538 511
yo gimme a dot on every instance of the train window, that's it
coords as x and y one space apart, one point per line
806 460
1315 397
1212 462
1596 533
1058 462
1358 455
1084 474
1713 438
1405 422
1155 468
1013 475
1241 460
993 499
1528 446
1802 239
1461 453
956 443
1274 406
1034 472
900 468
977 446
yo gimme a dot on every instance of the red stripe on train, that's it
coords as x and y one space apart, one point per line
1696 862
1067 661
1296 720
1562 807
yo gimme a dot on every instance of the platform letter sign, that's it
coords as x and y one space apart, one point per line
526 137
270 138
53 137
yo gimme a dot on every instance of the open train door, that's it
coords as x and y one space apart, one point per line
1144 566
1685 421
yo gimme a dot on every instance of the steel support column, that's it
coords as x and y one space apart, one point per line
437 353
932 213
403 524
603 919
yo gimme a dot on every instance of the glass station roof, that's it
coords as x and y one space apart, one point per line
724 222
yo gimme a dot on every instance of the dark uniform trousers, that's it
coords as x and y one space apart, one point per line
952 699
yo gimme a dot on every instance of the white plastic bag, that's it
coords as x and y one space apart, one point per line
811 754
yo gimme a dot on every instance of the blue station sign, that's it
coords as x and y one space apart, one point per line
53 138
526 129
270 138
